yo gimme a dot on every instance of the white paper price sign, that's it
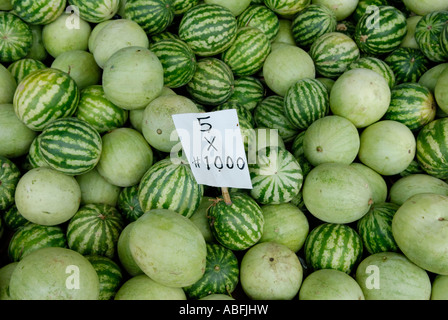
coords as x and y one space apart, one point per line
213 144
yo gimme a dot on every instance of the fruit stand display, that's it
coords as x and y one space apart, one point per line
349 97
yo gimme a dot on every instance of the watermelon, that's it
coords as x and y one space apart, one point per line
405 187
297 150
331 139
332 53
94 229
32 236
212 82
391 276
305 102
208 29
249 50
432 146
411 104
182 6
375 228
178 61
221 274
70 145
98 111
376 182
408 64
9 178
333 246
16 37
170 185
237 226
381 31
242 113
38 277
95 11
337 193
95 189
261 17
21 68
346 27
13 219
45 95
377 65
312 22
178 257
34 157
286 7
276 176
128 203
427 35
270 113
270 270
142 287
154 16
109 273
248 91
366 6
39 12
330 284
444 39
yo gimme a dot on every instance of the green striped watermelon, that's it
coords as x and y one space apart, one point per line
237 226
38 12
128 203
16 37
208 29
45 95
408 64
163 35
95 11
276 176
297 150
221 274
312 22
286 7
13 219
305 102
444 40
411 104
270 113
95 229
23 67
413 168
375 228
333 246
169 185
34 157
346 27
261 17
71 146
109 273
9 178
212 82
381 31
154 16
363 6
332 53
182 6
248 91
249 50
432 148
178 61
243 113
377 65
427 35
32 236
95 109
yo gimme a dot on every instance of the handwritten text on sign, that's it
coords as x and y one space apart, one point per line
213 145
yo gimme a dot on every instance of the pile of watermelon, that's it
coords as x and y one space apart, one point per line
349 97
